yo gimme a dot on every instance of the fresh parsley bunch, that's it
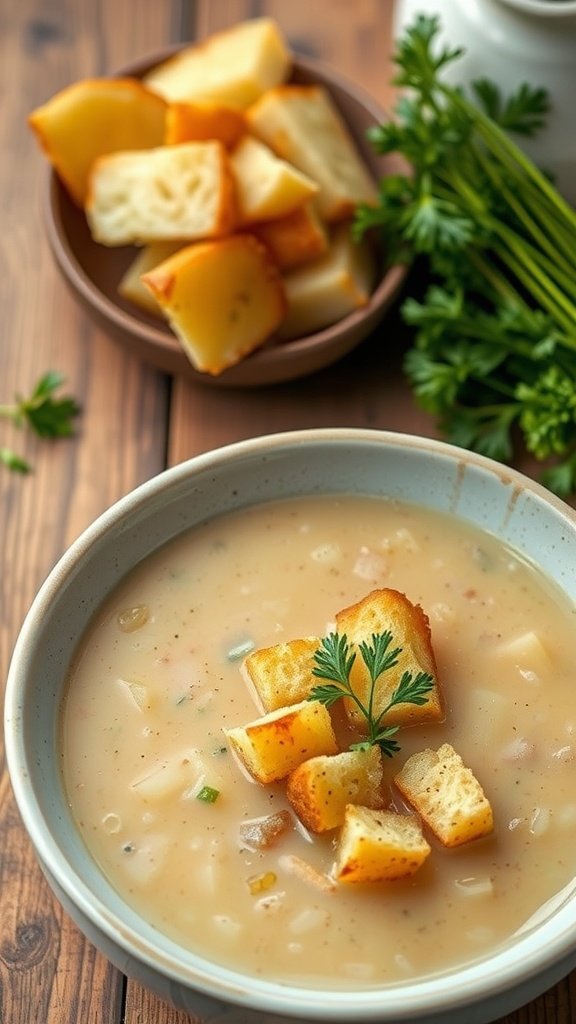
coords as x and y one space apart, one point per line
494 354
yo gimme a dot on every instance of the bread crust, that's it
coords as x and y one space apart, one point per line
379 846
447 795
320 788
382 610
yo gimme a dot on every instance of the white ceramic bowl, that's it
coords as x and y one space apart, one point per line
318 461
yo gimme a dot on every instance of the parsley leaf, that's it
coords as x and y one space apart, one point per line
42 413
334 660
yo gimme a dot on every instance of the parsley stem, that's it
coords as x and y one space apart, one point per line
510 154
542 288
502 286
548 241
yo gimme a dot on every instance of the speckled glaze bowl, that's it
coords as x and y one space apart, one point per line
308 462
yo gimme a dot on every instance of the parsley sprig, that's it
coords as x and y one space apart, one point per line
42 413
494 354
333 662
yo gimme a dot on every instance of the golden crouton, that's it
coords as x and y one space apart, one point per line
94 117
282 675
447 795
273 746
233 67
267 187
295 239
320 789
380 611
223 299
199 122
328 289
302 124
182 192
149 256
379 846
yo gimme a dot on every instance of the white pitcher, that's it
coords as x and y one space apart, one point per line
515 41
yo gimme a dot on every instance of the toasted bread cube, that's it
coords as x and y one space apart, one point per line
92 118
295 239
282 674
379 611
131 287
379 846
302 124
328 289
266 186
273 746
184 192
223 299
320 789
447 795
201 122
233 67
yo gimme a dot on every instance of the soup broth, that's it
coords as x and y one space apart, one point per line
157 678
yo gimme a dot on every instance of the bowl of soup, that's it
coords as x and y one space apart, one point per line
129 679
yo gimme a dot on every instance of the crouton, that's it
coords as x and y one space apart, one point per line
233 67
92 118
282 675
223 299
295 239
320 789
447 795
267 187
379 611
302 124
379 846
329 288
131 287
182 192
197 122
273 746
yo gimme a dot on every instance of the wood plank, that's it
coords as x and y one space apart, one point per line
48 972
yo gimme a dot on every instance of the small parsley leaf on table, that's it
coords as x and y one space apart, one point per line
42 413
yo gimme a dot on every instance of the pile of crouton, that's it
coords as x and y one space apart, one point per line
343 790
237 185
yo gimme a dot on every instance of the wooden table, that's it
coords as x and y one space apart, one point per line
134 420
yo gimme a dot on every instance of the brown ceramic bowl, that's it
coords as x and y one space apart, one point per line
93 271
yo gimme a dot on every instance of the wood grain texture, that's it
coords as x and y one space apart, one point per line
134 421
49 974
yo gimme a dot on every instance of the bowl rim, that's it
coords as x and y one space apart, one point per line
159 335
545 944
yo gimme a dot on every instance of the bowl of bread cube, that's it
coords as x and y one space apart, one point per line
200 205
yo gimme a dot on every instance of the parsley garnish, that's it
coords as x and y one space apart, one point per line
42 413
334 660
494 354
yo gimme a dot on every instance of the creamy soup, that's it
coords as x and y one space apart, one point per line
157 679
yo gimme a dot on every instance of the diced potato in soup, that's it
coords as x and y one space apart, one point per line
221 863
